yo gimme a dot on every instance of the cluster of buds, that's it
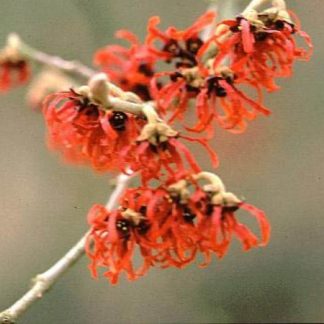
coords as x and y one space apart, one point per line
124 120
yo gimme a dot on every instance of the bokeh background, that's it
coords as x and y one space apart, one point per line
277 165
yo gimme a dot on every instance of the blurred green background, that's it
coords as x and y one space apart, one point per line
277 165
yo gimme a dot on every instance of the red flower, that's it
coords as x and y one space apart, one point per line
230 106
169 226
222 224
217 97
13 73
85 133
216 93
158 152
180 238
116 235
182 45
130 68
197 224
260 50
211 212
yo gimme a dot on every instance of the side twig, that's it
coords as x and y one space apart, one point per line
122 101
44 281
74 68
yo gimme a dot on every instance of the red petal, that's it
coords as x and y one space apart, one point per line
262 220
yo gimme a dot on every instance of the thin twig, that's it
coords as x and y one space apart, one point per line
121 184
74 68
71 67
44 281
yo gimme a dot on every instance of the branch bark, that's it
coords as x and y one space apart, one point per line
44 281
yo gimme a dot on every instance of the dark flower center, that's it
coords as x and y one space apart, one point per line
188 215
84 106
261 36
143 227
145 69
213 86
123 227
229 209
209 209
184 52
193 45
118 121
19 65
142 90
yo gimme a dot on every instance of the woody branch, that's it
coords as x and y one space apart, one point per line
44 281
118 100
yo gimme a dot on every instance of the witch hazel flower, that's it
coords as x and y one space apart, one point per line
178 45
211 211
14 68
217 98
222 205
82 128
216 93
261 46
157 150
129 126
116 235
86 130
130 68
230 106
169 226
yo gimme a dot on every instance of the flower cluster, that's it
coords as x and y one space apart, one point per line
85 133
86 130
261 47
130 68
208 66
169 226
125 120
250 51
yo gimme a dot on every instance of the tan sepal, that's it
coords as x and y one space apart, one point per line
179 189
212 188
156 133
83 91
226 199
99 89
132 216
215 183
49 80
11 52
284 15
274 14
252 17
